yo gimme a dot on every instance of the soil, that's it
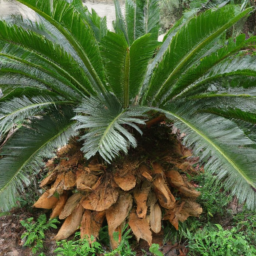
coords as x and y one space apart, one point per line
11 231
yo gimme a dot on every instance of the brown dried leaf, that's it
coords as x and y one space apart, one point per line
46 201
117 214
188 192
91 224
71 224
141 196
190 208
96 167
174 178
49 179
69 180
101 198
60 205
50 164
145 172
71 203
172 214
186 167
140 228
155 217
127 182
84 180
58 185
158 169
164 195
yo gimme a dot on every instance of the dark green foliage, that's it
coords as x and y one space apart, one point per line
218 242
34 235
66 71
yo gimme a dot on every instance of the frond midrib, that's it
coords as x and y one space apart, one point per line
110 126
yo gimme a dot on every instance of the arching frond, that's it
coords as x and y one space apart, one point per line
23 153
18 109
227 151
185 45
40 50
103 124
69 22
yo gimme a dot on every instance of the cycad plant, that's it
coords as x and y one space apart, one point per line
66 79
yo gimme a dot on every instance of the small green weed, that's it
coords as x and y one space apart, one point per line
214 197
154 249
212 242
245 223
35 231
79 247
124 247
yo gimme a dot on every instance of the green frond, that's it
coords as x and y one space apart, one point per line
71 24
103 123
23 153
36 48
126 66
8 65
227 151
186 44
142 17
204 66
16 110
240 68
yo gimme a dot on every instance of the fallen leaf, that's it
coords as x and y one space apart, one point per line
45 201
60 205
140 228
101 198
155 218
84 180
174 178
145 172
91 224
71 203
69 180
141 195
117 214
58 185
127 182
71 224
163 193
49 179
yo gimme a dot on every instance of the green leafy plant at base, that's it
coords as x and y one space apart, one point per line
78 247
214 197
212 242
34 235
124 247
245 223
154 249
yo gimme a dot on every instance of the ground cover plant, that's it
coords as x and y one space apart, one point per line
66 79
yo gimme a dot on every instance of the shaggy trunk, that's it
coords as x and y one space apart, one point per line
144 188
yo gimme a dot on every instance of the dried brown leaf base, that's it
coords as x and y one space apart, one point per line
141 188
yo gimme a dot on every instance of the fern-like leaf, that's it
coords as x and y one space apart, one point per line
106 126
